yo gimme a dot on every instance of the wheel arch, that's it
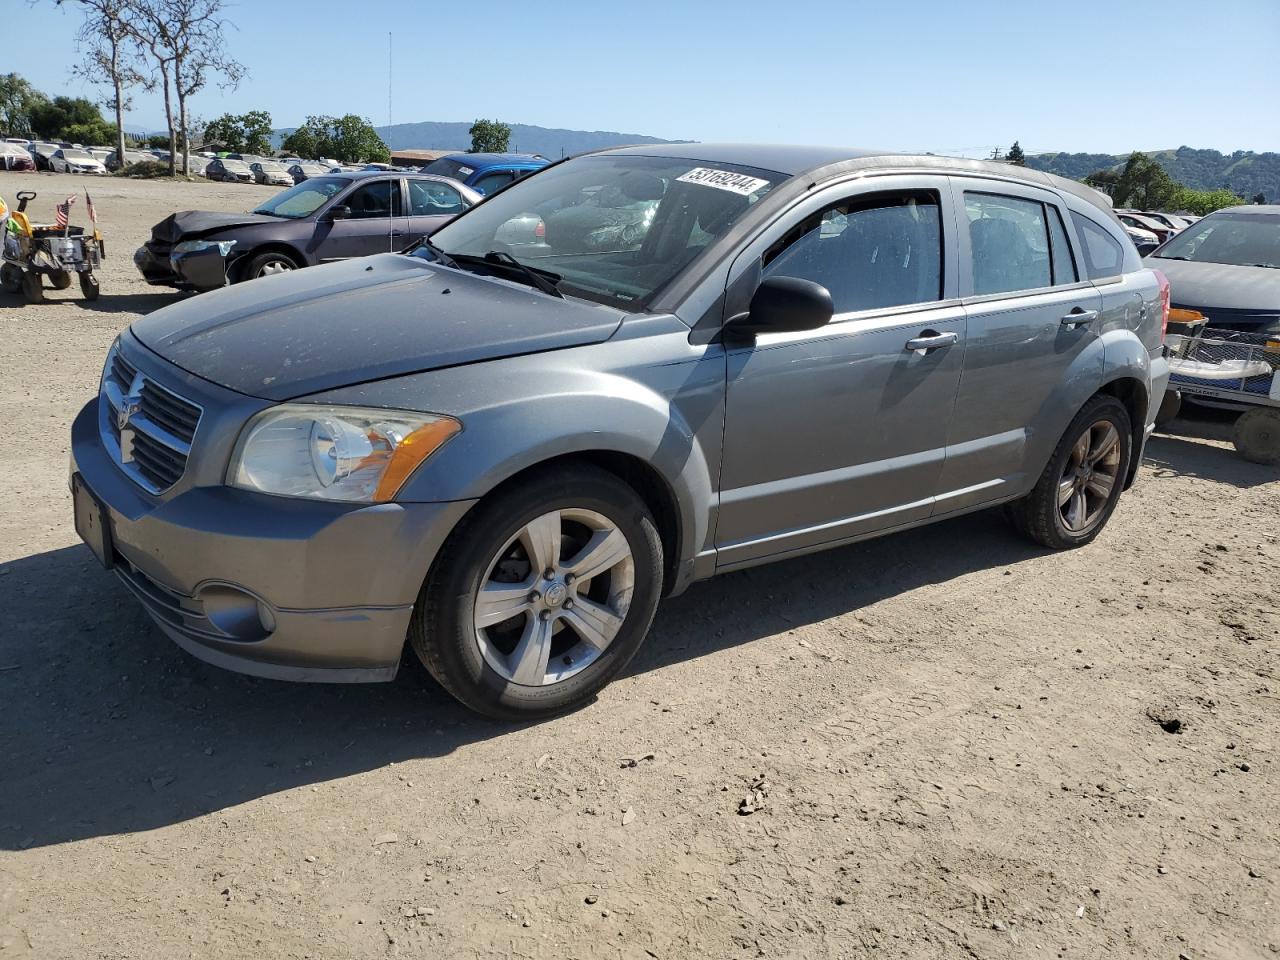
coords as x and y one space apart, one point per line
270 246
1131 392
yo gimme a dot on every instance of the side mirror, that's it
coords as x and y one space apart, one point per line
785 305
340 212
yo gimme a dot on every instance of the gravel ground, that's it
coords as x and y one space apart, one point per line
944 744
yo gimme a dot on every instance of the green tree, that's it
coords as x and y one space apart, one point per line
246 133
98 133
490 136
1203 202
51 118
1104 180
17 99
1259 198
1144 184
1016 156
157 141
257 131
348 139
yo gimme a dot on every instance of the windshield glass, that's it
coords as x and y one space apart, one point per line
617 229
77 155
445 167
1244 239
236 166
271 168
303 199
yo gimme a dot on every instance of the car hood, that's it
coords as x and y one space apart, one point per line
311 330
1223 285
190 224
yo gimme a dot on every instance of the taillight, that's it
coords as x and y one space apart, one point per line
540 230
1163 297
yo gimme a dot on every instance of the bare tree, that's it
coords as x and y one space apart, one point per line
187 43
108 42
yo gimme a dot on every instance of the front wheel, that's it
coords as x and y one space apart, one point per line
10 278
542 595
32 287
60 279
268 265
89 286
1076 494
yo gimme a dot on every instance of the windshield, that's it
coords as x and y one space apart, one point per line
303 199
445 167
271 168
76 155
1244 239
617 229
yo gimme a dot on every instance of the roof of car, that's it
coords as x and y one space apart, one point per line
1270 209
793 160
478 160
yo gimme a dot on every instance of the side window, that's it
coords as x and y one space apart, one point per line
1064 264
1008 242
374 200
430 198
869 252
492 181
1103 255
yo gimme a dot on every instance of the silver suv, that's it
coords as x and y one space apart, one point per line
506 452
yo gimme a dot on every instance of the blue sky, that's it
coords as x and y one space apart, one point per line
952 77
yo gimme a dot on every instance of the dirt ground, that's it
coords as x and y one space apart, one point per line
944 744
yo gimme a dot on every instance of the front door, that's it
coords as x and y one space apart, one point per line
376 223
841 431
1032 322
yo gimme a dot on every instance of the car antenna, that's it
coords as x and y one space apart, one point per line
391 220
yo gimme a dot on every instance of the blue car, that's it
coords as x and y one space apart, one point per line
486 172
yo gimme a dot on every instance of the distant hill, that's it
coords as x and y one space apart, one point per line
525 138
1243 172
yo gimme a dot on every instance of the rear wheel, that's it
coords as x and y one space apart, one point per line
1170 406
60 279
1076 494
542 595
1257 435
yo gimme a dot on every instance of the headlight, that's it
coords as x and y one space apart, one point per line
196 246
335 453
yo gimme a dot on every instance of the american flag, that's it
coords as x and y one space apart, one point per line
88 208
62 212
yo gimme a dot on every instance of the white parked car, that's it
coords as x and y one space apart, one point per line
72 160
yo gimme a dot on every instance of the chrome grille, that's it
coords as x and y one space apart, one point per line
146 427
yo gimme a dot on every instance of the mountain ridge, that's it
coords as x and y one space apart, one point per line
1244 172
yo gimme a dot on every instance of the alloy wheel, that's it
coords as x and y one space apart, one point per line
1089 476
272 267
554 597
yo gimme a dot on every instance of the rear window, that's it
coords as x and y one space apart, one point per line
1103 255
453 169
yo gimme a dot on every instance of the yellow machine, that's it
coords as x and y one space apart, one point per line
34 251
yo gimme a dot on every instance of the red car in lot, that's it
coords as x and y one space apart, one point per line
14 156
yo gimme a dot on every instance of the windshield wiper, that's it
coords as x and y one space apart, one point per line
436 252
544 280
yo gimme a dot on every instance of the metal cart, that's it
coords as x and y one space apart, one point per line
1232 370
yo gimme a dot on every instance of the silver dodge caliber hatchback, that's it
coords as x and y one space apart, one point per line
629 371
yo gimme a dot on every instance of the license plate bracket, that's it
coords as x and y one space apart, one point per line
91 522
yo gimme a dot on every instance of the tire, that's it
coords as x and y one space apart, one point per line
1042 515
1257 435
266 264
1170 406
89 286
481 666
10 278
60 279
32 287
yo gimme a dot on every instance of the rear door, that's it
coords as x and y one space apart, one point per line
1032 318
840 431
376 223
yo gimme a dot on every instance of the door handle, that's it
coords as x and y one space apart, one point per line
1077 317
929 340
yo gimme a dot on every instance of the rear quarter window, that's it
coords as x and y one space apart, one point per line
1103 254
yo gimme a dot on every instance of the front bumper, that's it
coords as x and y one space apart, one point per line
199 270
271 586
